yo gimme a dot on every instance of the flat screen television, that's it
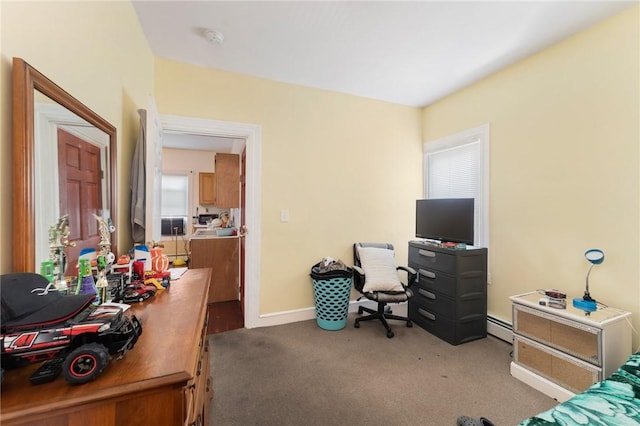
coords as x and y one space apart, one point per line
445 219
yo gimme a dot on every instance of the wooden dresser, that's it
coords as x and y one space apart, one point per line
164 380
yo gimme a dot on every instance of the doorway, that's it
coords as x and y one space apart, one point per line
252 135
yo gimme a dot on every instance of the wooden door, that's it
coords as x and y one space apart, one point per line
79 166
153 172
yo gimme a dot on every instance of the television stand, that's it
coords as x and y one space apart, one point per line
450 299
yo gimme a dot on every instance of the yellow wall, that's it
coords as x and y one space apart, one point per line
564 165
97 52
348 169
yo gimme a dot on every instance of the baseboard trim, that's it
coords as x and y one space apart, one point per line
500 329
495 327
286 317
304 314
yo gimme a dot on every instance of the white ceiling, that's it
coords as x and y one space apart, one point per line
411 53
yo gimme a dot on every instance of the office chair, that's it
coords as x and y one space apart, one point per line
376 277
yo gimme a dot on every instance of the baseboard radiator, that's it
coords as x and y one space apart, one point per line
500 329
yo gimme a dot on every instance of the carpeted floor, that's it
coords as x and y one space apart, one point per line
300 374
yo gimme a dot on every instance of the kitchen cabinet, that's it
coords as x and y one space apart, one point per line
164 380
222 255
207 182
227 181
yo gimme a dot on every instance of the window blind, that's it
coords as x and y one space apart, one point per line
175 196
454 172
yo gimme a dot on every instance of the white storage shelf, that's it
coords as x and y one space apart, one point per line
564 351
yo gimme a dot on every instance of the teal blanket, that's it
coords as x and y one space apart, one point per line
612 402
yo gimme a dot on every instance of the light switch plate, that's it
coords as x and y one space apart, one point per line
284 216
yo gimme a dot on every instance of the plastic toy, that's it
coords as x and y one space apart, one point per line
164 278
67 334
138 292
86 283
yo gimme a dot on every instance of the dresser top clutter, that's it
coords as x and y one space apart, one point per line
597 318
150 382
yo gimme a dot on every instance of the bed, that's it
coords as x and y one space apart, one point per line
611 402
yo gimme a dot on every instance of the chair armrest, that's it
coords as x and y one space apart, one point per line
412 275
358 278
407 269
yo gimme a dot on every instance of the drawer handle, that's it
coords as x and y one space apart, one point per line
427 253
427 294
199 368
426 314
427 274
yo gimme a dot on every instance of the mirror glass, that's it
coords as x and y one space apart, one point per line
64 164
74 154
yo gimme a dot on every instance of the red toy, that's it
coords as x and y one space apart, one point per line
68 333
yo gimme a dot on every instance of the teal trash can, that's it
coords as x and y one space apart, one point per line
331 290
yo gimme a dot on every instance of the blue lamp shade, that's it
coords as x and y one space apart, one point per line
595 256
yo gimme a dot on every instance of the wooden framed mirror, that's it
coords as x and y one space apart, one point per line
41 111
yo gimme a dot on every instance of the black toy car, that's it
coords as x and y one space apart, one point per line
67 334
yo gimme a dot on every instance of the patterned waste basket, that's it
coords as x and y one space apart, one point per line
331 292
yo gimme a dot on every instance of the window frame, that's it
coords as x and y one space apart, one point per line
482 135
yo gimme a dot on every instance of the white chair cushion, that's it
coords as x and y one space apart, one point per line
379 269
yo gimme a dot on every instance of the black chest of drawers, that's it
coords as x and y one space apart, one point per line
450 298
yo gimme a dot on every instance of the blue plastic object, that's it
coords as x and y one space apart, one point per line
585 305
332 301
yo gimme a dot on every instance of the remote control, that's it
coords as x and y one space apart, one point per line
48 371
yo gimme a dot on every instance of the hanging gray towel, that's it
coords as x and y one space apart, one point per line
138 183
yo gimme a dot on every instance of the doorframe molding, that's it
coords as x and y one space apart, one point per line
252 134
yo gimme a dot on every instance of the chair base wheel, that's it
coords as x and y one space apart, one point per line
409 324
356 325
360 310
390 334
